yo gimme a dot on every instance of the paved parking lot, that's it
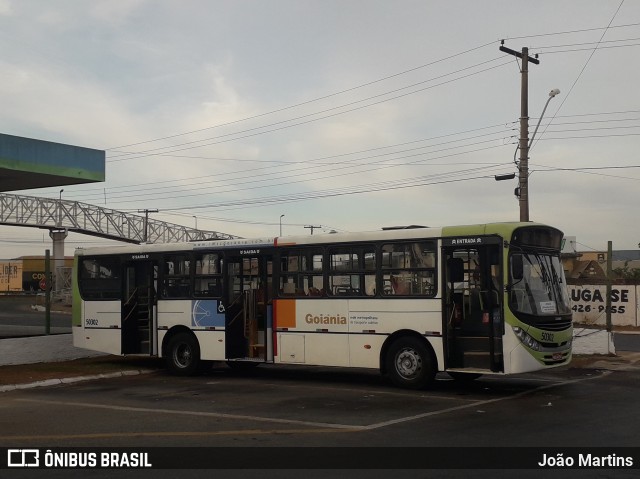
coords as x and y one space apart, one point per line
317 406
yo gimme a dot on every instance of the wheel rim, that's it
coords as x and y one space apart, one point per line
408 363
183 355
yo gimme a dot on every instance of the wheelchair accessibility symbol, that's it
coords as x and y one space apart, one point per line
207 313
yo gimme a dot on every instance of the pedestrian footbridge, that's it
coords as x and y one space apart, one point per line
59 215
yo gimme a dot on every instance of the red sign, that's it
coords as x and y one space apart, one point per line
43 283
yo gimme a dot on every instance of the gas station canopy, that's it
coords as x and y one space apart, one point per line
26 163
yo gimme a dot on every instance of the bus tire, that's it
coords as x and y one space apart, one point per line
410 363
184 354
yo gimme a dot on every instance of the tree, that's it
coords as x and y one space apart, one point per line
628 273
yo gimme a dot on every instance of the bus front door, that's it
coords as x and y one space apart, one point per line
473 317
139 318
248 308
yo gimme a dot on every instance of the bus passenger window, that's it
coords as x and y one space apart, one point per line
352 271
301 272
177 279
408 269
208 276
99 278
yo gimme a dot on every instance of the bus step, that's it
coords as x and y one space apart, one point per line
472 343
144 347
246 360
476 359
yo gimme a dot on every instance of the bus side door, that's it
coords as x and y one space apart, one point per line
248 307
473 297
139 311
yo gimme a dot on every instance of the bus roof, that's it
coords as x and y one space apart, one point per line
502 229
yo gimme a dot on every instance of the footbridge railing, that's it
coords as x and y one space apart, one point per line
58 214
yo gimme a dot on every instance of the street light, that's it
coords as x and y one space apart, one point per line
552 94
522 191
196 218
60 208
508 176
281 216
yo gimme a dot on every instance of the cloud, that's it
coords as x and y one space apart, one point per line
6 8
115 12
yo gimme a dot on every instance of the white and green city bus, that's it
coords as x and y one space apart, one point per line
468 300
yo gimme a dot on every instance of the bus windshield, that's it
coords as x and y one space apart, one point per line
537 284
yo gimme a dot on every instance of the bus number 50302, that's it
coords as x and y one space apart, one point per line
548 337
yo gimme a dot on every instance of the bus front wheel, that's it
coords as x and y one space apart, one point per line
410 364
184 354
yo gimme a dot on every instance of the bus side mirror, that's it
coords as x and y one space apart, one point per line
517 268
456 270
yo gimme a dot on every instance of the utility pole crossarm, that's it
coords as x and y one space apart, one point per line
312 227
518 54
146 222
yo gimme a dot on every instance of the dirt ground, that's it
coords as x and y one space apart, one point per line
29 373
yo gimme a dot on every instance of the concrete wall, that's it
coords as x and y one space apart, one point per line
592 341
588 303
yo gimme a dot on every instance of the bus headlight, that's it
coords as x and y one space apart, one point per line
526 339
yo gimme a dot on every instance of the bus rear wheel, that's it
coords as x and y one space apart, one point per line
184 354
410 364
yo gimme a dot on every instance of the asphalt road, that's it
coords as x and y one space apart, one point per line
626 341
288 407
17 318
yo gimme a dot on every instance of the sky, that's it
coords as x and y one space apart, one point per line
346 115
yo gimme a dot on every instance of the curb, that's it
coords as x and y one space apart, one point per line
71 380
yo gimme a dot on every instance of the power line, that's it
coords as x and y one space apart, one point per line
318 169
235 220
154 151
317 164
590 171
306 102
240 186
588 136
357 165
380 186
585 43
624 112
265 201
341 156
588 49
381 165
165 192
576 31
317 161
582 70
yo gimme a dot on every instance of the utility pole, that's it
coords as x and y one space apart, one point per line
609 283
311 227
523 166
47 292
146 222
